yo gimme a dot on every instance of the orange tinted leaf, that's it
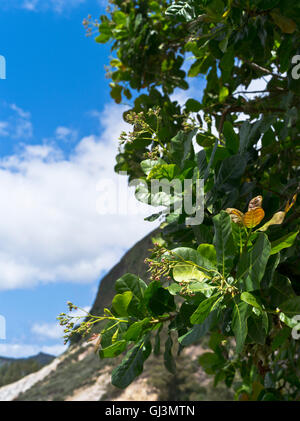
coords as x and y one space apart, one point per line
289 205
253 217
287 25
254 203
277 219
235 215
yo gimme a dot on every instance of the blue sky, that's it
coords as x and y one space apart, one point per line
53 70
55 96
59 230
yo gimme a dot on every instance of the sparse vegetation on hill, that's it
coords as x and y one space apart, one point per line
11 370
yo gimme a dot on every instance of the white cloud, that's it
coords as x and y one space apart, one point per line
24 350
17 124
257 86
50 229
48 330
57 5
66 134
4 129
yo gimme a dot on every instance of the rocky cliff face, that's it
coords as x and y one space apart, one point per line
79 374
132 262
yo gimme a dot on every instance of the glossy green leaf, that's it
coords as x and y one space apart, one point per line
241 312
132 365
231 170
204 308
208 255
281 290
133 283
280 338
224 92
183 272
209 361
231 138
198 331
283 242
113 350
251 266
121 302
158 299
223 242
251 300
256 331
291 307
136 329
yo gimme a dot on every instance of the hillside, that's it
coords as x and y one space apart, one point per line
13 369
80 375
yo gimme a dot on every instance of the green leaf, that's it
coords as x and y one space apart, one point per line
137 286
133 283
227 61
174 288
245 138
272 264
291 307
287 25
288 320
252 264
181 147
223 242
113 350
136 329
148 164
184 272
168 171
280 338
224 92
116 92
231 170
241 312
203 287
281 290
158 299
132 365
210 361
283 242
231 138
198 331
208 254
204 308
251 300
168 357
112 332
256 331
192 105
187 254
119 17
182 9
121 302
105 33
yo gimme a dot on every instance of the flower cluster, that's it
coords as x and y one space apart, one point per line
161 264
90 27
69 322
